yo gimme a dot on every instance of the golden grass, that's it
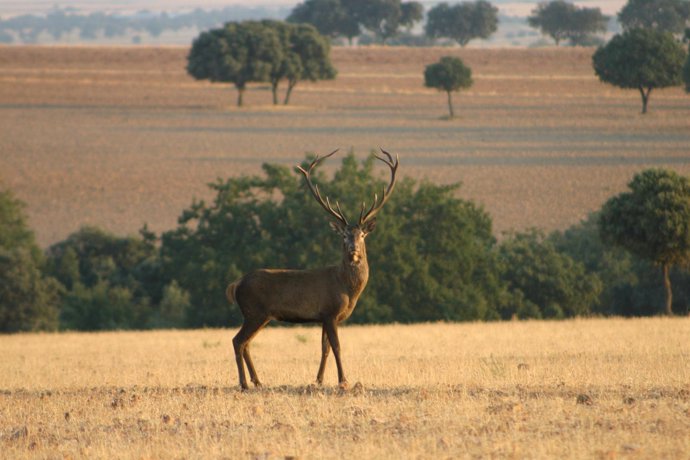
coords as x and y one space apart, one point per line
572 389
121 136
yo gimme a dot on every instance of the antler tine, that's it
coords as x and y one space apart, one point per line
315 188
377 205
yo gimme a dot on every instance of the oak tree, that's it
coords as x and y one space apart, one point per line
642 59
652 221
450 74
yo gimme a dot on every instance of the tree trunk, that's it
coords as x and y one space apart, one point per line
450 105
240 94
291 85
274 89
645 98
667 287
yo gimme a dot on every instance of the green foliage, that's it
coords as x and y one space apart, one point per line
28 299
265 51
462 22
564 21
686 72
641 59
111 282
328 16
449 74
430 256
664 15
14 230
385 17
305 56
346 18
652 221
237 53
543 282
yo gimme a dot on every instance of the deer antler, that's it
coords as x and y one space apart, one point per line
315 190
386 193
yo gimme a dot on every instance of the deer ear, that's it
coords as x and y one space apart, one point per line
369 226
337 226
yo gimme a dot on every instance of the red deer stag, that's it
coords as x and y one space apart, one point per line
324 295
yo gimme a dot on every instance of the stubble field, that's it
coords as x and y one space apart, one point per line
571 389
119 137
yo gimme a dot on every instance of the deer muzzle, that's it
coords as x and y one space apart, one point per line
354 257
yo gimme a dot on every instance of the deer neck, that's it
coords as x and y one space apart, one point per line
355 274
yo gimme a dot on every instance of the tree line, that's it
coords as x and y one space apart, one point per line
434 257
61 22
382 21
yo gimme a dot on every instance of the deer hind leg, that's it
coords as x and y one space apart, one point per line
331 329
250 366
240 342
325 350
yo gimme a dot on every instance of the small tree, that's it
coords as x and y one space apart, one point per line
309 53
449 74
462 22
665 15
652 221
238 53
641 59
562 20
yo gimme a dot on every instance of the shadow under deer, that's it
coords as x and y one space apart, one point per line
325 295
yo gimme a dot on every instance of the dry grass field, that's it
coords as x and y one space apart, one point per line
117 137
572 389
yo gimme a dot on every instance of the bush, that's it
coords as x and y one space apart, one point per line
544 282
28 299
431 256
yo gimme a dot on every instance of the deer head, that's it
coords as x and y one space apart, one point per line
353 234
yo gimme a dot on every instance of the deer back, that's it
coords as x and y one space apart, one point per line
294 295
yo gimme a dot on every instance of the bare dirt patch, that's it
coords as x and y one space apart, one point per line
121 136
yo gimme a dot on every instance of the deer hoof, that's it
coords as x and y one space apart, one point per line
344 386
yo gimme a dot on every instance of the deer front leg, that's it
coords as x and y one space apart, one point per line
325 350
240 343
332 332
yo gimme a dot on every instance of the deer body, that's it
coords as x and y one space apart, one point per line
301 296
325 295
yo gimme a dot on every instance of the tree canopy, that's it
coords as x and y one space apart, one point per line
28 299
664 15
652 221
462 22
449 74
347 18
305 56
330 17
261 51
431 257
562 20
642 59
544 282
237 53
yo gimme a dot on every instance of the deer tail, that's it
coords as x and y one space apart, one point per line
230 291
